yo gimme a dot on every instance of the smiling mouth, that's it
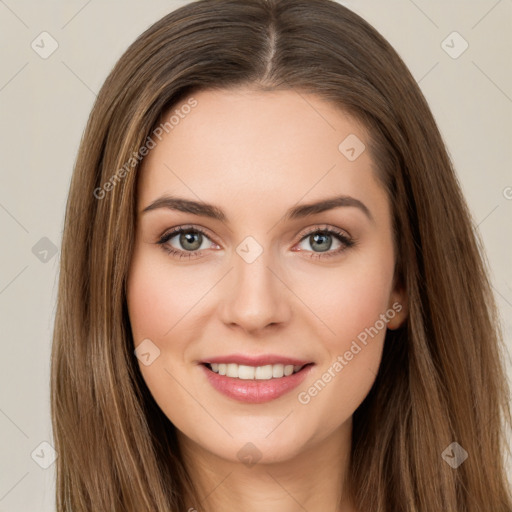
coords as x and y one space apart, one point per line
245 372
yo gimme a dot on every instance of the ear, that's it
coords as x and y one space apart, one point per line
399 304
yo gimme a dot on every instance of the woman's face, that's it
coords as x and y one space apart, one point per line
267 282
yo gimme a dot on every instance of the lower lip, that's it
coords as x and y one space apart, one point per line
255 391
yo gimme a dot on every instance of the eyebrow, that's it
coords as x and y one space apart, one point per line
296 212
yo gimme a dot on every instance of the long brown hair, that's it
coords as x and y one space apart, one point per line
441 379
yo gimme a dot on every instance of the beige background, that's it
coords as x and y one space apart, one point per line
44 105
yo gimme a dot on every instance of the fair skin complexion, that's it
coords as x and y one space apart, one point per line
254 155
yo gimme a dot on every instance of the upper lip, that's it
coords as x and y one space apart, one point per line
261 360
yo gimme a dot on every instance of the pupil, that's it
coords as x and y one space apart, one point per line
324 245
187 238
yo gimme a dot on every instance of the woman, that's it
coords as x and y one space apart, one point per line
329 340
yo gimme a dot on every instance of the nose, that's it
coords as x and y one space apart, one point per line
254 296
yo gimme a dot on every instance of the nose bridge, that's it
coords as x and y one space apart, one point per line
253 278
255 298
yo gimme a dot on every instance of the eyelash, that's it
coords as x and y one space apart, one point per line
346 241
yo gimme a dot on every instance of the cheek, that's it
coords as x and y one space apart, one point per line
160 296
353 305
149 304
348 298
158 303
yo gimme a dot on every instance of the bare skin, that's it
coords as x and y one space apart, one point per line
254 155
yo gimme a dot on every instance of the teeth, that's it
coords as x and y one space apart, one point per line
244 372
277 371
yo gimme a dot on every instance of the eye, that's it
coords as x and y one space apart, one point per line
188 244
190 241
321 241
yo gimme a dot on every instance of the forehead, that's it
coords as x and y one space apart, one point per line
258 149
